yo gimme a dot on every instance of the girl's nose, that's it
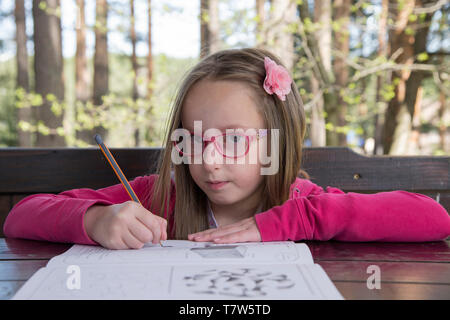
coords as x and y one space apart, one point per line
211 156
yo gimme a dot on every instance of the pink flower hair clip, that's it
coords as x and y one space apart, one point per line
277 79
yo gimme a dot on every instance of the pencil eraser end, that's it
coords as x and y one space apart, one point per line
98 139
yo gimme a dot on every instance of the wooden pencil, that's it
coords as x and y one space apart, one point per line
117 170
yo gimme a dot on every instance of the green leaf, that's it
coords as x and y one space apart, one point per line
422 56
43 129
410 31
412 17
60 131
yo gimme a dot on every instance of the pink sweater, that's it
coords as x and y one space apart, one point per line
310 213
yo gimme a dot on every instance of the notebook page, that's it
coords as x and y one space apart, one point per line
188 252
187 282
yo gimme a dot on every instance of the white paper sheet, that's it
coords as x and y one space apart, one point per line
184 270
189 252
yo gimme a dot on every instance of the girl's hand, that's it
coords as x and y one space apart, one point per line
243 231
126 225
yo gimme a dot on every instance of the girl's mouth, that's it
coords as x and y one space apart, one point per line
217 185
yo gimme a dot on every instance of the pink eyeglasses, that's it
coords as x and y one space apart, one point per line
229 145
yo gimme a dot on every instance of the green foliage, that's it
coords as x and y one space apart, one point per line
121 115
118 113
422 57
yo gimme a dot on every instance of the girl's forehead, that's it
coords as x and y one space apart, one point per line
221 104
218 106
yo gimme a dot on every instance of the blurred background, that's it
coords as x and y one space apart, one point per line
373 75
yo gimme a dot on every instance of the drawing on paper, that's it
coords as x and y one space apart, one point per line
224 252
237 282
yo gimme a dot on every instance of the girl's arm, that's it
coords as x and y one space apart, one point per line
384 216
60 217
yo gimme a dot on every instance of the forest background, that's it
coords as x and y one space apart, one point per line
373 75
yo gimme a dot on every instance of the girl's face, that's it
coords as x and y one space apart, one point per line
222 105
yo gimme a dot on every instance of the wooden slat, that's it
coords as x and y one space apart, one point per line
22 249
338 167
9 288
345 263
408 272
5 206
20 270
349 290
393 291
438 251
54 170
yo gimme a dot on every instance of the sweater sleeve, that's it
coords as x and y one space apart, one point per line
334 214
60 217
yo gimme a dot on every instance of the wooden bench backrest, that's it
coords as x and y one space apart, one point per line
42 170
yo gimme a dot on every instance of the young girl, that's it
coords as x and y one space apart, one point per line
212 200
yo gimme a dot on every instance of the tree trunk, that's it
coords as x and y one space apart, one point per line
413 143
81 73
322 15
147 113
280 41
135 67
414 90
23 114
209 27
48 66
382 78
150 55
101 72
260 14
408 82
341 44
398 40
313 51
318 132
134 62
442 127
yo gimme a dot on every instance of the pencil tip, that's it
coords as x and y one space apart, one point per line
98 139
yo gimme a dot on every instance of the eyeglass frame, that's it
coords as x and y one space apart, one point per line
261 133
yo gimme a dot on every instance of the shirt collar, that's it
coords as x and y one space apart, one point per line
212 222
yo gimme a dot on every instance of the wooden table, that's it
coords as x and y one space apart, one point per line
408 270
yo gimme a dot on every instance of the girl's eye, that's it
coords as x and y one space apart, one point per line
233 138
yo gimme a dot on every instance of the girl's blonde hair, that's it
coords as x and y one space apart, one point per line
246 66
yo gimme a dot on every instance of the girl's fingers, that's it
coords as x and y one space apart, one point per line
131 242
117 244
151 222
245 235
218 233
140 231
163 230
208 232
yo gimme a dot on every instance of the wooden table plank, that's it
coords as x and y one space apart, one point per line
412 272
9 288
438 251
393 291
19 270
408 270
21 249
